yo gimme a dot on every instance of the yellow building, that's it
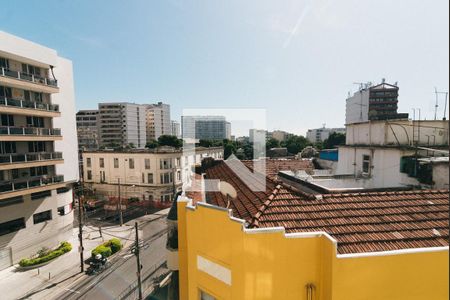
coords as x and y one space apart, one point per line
284 244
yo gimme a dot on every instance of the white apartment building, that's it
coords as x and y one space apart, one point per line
321 134
176 128
38 148
396 152
150 175
158 121
122 124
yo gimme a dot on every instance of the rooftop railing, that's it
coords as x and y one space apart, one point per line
29 182
32 131
29 157
28 77
5 101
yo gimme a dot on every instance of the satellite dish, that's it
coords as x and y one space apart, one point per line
227 189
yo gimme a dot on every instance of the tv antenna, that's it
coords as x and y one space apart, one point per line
437 103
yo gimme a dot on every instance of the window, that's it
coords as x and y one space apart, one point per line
11 201
4 63
116 163
166 178
166 198
131 163
89 175
88 162
40 195
147 164
102 176
366 164
102 162
150 178
178 162
62 190
7 120
64 210
12 226
165 164
205 296
42 217
178 175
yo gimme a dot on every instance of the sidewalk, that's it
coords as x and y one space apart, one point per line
35 283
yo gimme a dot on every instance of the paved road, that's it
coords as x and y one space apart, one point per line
122 273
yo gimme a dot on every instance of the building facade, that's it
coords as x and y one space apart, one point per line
176 128
378 102
153 175
122 124
38 148
158 121
321 134
205 127
87 129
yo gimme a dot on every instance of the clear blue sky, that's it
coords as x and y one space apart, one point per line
298 59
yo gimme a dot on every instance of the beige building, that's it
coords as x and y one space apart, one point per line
145 174
38 148
158 121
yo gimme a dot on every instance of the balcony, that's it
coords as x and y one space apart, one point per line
10 133
16 106
35 159
30 182
23 80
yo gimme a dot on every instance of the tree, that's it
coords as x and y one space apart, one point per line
152 144
229 149
333 140
272 143
205 143
295 143
170 140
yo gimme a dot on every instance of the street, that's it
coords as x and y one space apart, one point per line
66 281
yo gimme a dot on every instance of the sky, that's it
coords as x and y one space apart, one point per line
298 60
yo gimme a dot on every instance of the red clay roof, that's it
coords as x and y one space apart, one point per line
360 222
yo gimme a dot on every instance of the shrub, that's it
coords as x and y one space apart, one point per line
105 251
115 245
108 248
64 247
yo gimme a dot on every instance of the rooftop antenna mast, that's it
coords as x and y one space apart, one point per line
437 103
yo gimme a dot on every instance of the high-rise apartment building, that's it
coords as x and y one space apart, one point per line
87 129
205 127
176 128
38 148
373 103
158 121
122 124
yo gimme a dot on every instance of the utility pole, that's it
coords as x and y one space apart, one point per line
120 204
138 260
80 226
445 107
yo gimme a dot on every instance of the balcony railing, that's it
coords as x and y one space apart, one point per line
30 182
5 101
29 157
28 77
9 130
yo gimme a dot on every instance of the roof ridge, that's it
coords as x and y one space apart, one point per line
255 219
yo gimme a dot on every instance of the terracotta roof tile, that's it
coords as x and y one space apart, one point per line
360 222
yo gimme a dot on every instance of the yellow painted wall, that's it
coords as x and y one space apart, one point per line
272 266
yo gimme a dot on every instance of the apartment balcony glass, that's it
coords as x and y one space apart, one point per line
30 182
29 157
28 77
31 131
5 101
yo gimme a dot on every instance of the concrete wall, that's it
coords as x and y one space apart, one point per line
67 121
440 175
385 165
398 131
357 107
26 242
217 255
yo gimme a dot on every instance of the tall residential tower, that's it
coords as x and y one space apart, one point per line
38 148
